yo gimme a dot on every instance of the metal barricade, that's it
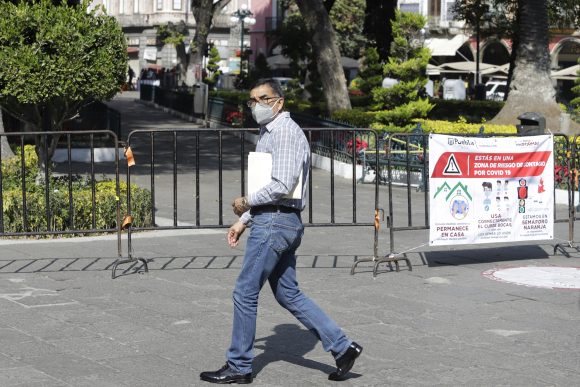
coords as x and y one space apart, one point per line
61 216
415 215
180 158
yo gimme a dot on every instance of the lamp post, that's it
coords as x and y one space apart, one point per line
482 16
243 16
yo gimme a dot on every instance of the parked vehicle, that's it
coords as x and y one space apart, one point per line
495 90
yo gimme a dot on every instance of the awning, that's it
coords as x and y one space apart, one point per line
467 67
283 62
444 46
432 69
569 73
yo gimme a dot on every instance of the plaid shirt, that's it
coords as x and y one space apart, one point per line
285 140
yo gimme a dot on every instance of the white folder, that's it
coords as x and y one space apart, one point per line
260 174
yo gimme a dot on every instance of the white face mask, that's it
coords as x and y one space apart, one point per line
263 114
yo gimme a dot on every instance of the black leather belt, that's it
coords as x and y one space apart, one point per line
274 208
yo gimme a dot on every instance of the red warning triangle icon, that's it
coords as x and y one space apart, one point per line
452 168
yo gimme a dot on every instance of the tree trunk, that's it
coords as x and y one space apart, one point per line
531 88
326 54
5 148
203 11
181 63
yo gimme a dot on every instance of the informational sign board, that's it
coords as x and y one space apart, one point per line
487 190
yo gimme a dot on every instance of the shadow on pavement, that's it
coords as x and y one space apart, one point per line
290 344
474 256
91 264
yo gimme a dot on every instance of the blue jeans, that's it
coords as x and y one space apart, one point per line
271 255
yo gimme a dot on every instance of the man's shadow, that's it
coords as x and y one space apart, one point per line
289 343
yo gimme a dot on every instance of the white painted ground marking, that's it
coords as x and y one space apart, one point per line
505 333
16 280
437 280
181 322
33 292
547 277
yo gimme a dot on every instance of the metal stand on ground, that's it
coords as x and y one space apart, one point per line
563 247
389 259
127 226
127 222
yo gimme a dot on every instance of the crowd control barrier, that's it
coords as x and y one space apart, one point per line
412 162
181 159
40 197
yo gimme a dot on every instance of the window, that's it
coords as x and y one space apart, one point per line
135 6
434 7
413 8
177 4
450 12
121 7
159 5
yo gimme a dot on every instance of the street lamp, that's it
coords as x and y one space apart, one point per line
482 15
242 16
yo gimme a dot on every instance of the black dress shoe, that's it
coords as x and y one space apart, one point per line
226 375
346 361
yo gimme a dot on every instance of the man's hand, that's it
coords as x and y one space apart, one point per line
234 233
240 205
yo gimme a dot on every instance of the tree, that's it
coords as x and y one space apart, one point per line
377 26
261 69
505 20
407 64
294 38
326 54
347 17
576 89
531 88
4 146
175 35
212 66
370 75
54 60
203 12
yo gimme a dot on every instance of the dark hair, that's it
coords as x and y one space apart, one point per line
274 84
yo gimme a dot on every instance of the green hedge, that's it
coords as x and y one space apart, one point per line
473 111
233 96
105 200
355 117
462 127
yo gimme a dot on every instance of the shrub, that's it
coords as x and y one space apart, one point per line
60 216
355 117
403 115
474 111
445 127
362 101
12 168
233 96
461 127
404 101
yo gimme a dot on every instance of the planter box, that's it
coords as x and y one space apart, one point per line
83 155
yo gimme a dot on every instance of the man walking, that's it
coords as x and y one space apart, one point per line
276 233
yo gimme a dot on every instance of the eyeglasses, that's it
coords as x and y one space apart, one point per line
261 100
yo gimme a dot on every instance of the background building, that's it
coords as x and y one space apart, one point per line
140 19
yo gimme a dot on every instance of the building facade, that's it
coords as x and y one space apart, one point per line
451 40
141 18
